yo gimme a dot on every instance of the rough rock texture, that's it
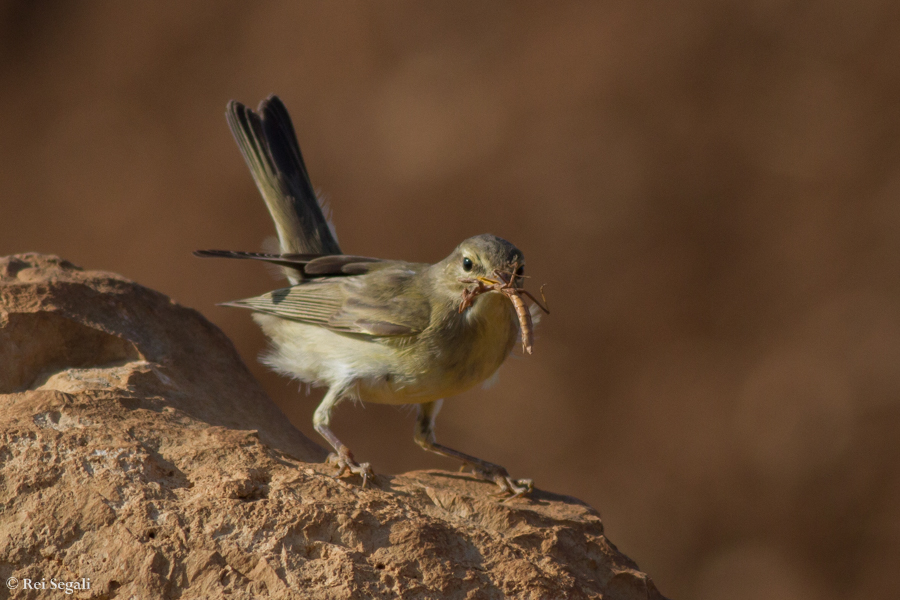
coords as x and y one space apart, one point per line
137 451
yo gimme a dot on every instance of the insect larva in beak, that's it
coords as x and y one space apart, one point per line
525 322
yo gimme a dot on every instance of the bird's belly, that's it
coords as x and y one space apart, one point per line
439 381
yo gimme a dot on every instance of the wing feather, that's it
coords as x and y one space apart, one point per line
310 265
381 303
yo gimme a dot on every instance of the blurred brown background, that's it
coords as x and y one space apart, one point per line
709 189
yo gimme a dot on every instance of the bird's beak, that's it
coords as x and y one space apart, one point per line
487 281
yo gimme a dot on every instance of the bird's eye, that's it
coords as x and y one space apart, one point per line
467 264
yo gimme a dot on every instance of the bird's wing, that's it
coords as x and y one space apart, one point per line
310 265
382 303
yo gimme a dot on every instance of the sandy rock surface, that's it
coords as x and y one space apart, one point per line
137 452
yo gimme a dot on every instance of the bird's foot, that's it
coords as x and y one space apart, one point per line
345 463
509 488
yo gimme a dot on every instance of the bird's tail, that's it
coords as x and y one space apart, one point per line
267 140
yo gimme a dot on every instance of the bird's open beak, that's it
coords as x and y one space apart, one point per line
499 275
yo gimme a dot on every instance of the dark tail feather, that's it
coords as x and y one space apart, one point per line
267 140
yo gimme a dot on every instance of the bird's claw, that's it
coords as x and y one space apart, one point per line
514 488
509 488
345 463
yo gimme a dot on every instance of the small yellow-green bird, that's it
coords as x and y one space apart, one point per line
382 331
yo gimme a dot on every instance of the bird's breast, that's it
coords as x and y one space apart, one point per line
489 328
457 353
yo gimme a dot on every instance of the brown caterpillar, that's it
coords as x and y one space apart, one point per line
525 322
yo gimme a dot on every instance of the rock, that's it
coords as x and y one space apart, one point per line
139 456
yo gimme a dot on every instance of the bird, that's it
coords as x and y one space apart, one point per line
369 329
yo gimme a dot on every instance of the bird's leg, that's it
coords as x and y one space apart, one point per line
424 436
341 457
